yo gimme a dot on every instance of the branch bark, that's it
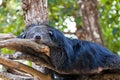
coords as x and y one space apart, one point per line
9 76
6 36
24 68
16 44
28 46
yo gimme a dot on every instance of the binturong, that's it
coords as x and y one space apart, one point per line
72 55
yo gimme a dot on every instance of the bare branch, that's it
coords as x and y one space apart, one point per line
6 36
9 76
16 44
24 68
38 61
29 47
26 44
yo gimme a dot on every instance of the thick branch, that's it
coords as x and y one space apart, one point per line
9 76
25 68
16 44
29 47
6 36
21 44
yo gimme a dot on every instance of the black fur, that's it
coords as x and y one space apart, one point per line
73 55
77 54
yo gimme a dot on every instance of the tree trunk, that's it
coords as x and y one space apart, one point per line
35 11
90 16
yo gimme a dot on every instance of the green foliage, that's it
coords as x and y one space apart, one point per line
110 23
7 51
59 10
11 18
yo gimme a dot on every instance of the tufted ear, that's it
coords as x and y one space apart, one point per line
23 35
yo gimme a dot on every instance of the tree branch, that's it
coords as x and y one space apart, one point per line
33 49
29 47
9 76
16 44
21 67
6 36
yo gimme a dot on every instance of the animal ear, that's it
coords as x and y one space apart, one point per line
23 35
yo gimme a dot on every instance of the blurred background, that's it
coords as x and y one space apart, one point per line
65 15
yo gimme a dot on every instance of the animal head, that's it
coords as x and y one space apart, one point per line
44 34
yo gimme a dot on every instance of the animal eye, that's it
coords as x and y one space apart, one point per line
24 35
50 33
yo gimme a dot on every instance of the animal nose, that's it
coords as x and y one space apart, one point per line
37 37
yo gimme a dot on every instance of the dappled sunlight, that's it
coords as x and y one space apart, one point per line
70 23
